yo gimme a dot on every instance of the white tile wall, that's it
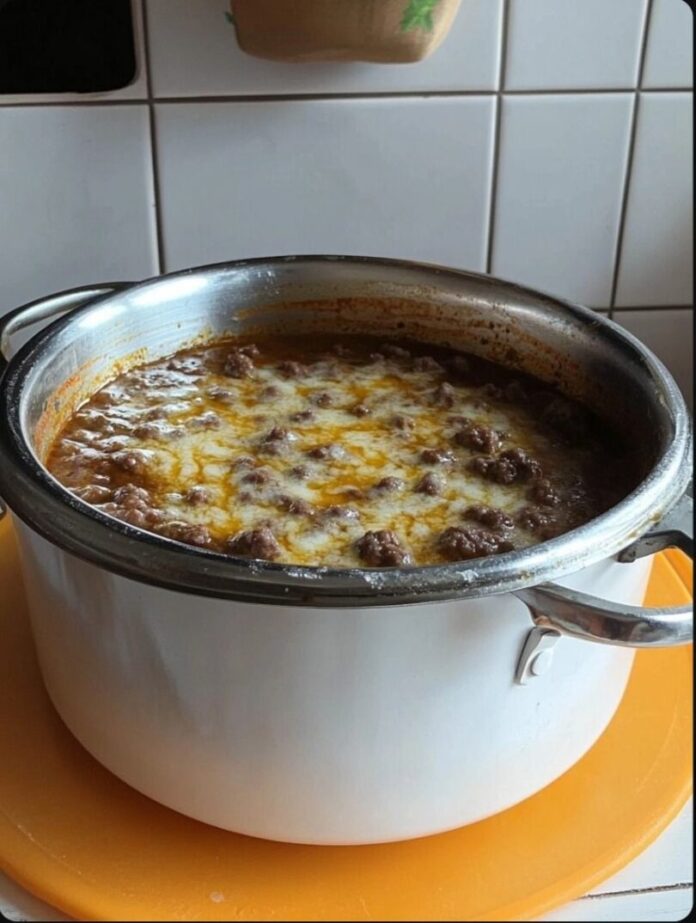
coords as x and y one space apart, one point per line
573 44
657 254
76 198
670 53
408 178
562 163
194 53
669 334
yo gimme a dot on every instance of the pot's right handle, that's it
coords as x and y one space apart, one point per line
47 309
580 615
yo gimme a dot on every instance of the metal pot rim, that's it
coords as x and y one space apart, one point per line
51 510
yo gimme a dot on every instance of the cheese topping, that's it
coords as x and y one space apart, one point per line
339 453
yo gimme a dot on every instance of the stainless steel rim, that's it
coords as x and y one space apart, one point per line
38 499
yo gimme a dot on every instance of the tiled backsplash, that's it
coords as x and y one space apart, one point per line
546 141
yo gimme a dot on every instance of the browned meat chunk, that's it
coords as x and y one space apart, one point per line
269 393
292 369
475 436
299 472
134 462
131 497
460 544
296 506
238 364
303 416
430 484
382 549
360 410
508 468
93 493
197 496
186 532
258 476
255 543
277 441
389 485
437 457
207 420
340 512
401 423
188 365
487 516
323 399
543 493
535 520
331 452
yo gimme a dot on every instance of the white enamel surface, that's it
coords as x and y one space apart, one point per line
657 255
573 44
318 726
194 52
669 57
360 177
562 163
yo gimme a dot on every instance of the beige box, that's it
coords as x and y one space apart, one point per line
385 31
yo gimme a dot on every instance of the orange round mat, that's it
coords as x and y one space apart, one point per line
81 840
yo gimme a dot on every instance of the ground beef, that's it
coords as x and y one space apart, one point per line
487 516
197 496
188 365
299 472
303 416
258 476
427 364
292 369
323 399
360 410
256 543
509 467
430 484
269 393
460 544
187 532
543 493
238 364
389 485
296 506
401 423
480 438
207 420
382 549
243 461
251 350
437 457
93 493
134 462
540 522
277 441
444 395
129 496
344 513
331 452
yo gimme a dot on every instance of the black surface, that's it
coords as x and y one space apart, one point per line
65 46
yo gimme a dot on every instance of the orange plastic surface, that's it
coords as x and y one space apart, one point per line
81 840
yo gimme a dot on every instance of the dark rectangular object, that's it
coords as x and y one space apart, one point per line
65 46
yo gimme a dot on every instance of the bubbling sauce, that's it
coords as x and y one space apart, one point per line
344 451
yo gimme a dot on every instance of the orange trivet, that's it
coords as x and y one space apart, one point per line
81 840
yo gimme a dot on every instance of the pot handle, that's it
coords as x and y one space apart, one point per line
47 309
580 615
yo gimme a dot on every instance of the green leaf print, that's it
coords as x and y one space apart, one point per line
418 15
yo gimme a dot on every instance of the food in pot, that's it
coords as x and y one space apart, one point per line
342 452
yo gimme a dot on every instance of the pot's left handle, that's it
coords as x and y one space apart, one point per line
558 610
48 309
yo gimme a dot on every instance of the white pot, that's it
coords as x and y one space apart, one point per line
318 706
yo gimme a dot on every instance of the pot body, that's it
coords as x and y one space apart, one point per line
318 725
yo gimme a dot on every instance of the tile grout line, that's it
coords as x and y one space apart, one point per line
493 199
649 307
629 892
310 97
153 142
633 133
